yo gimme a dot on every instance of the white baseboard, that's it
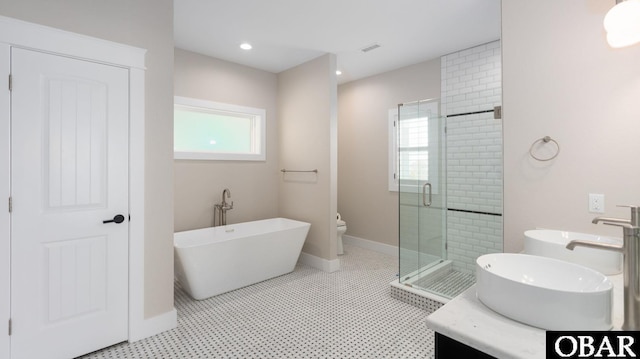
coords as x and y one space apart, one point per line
368 244
154 325
324 265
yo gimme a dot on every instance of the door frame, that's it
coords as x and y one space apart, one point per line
18 33
5 192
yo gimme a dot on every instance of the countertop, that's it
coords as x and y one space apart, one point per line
470 322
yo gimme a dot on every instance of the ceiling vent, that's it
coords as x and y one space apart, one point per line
370 47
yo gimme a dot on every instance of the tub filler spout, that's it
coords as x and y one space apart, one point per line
220 209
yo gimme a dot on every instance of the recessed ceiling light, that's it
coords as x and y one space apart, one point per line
338 72
246 46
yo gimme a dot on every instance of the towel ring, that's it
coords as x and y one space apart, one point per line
543 140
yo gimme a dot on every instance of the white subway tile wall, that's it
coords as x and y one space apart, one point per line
471 82
470 235
474 163
471 79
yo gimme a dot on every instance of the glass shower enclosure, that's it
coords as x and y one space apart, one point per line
422 180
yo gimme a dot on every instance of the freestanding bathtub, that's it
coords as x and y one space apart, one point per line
215 260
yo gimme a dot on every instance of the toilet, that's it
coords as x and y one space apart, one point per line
342 227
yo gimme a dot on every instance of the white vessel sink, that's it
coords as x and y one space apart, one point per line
552 243
544 292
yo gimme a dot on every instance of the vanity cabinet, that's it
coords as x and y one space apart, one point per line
447 348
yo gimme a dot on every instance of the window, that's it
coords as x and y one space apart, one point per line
205 130
413 146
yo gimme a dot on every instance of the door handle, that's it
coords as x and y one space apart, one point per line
424 194
118 218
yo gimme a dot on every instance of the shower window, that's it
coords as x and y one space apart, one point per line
413 147
205 130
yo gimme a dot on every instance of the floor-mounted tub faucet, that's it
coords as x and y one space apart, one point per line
631 262
220 209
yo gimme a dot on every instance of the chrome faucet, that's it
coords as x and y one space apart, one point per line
226 194
631 262
220 209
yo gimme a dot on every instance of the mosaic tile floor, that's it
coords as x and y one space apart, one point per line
305 314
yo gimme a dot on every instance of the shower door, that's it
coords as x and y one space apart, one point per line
422 188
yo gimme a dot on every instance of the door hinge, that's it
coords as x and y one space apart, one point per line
10 82
10 204
446 246
9 326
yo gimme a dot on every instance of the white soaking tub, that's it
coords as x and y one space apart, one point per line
215 260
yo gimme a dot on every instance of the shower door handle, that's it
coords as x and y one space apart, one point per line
424 194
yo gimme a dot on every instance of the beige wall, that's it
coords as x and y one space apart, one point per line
364 199
253 184
147 24
561 79
307 109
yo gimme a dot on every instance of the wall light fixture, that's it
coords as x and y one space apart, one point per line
622 23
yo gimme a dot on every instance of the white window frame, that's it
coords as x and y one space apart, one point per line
434 149
259 131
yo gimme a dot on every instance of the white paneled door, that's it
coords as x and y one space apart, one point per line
69 164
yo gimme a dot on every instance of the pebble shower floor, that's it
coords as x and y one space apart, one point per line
305 314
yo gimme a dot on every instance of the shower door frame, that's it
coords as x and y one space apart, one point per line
416 194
